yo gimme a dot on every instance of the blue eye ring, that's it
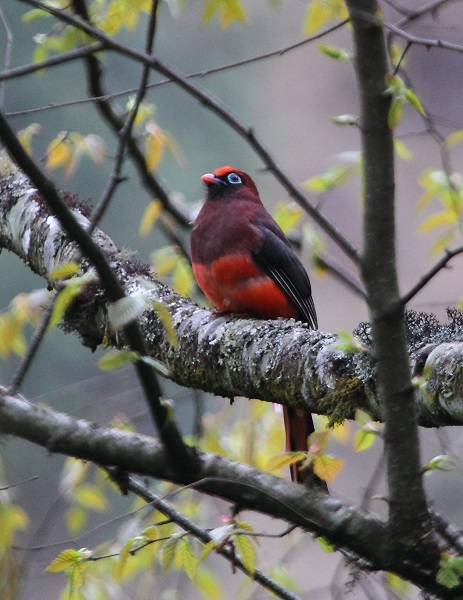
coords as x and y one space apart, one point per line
234 178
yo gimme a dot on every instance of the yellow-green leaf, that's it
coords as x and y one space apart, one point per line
166 320
64 560
89 495
65 270
211 545
395 112
440 219
168 552
402 150
246 551
397 585
125 310
278 462
333 52
116 359
76 518
326 466
149 218
62 303
317 13
413 99
454 138
188 557
363 439
208 585
59 153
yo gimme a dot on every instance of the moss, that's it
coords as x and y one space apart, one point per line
340 404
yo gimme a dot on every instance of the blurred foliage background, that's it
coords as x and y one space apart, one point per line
289 101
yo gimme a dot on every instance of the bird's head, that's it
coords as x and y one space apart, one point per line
233 184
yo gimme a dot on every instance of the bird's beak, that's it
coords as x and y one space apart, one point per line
210 179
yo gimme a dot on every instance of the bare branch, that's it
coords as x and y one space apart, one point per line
220 110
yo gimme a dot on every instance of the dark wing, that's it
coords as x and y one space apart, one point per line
280 263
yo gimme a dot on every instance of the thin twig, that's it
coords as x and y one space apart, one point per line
144 492
425 279
220 110
8 53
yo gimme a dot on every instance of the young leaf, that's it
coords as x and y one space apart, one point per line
325 544
326 466
413 99
276 463
246 551
207 550
64 560
116 359
454 138
126 310
149 218
443 462
398 586
395 112
62 303
333 52
168 552
157 365
166 319
65 270
89 495
189 559
363 439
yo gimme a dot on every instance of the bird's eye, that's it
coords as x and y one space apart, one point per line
234 178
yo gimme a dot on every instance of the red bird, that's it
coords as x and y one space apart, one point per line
244 264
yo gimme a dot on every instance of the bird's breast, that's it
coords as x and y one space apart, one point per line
236 284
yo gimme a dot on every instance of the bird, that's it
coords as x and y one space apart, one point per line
245 265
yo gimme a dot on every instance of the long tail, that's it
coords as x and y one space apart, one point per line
298 426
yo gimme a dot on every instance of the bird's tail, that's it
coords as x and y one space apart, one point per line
298 426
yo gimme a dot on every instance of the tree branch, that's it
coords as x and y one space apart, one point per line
279 361
408 512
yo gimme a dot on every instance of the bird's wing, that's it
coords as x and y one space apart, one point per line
282 265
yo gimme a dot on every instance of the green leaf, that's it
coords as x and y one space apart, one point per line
65 271
395 112
76 518
413 99
246 551
454 138
166 320
189 559
211 545
364 439
62 303
325 544
157 365
443 462
168 552
348 342
397 585
362 417
64 560
333 52
278 462
402 150
447 577
127 309
89 495
208 585
116 359
288 215
317 13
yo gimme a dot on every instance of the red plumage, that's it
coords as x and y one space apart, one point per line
244 264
